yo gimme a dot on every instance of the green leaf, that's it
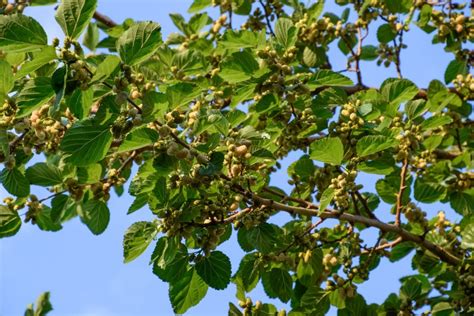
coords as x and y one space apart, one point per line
285 32
455 67
356 305
435 122
326 198
187 291
165 252
264 237
467 235
398 91
139 42
328 78
328 150
89 174
44 174
74 15
199 5
15 182
60 205
238 67
429 192
6 78
401 250
91 38
34 94
80 102
10 222
377 167
443 309
372 144
20 33
215 270
137 238
96 215
139 138
398 6
385 33
411 288
86 144
106 68
463 202
45 222
277 283
43 306
45 56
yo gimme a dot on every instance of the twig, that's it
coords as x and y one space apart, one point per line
267 18
403 186
17 140
52 196
104 19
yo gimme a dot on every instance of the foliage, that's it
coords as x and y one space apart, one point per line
200 122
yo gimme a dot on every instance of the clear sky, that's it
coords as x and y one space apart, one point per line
85 273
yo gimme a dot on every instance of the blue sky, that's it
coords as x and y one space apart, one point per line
85 273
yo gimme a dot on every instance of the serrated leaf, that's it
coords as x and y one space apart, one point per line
187 291
137 238
264 237
39 59
86 144
285 32
411 288
138 138
239 67
74 15
398 91
215 270
89 174
44 174
429 192
277 283
96 215
15 182
6 78
106 68
80 102
10 222
462 202
91 38
372 144
467 235
435 122
20 33
35 93
45 222
328 78
139 42
328 150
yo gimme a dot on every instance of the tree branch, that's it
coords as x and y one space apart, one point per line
403 186
442 253
99 17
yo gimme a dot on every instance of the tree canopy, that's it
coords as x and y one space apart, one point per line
196 125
